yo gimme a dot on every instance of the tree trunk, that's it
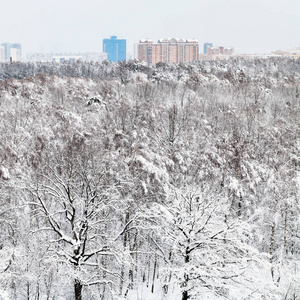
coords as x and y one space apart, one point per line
78 290
185 295
154 272
285 249
272 240
124 247
38 292
28 290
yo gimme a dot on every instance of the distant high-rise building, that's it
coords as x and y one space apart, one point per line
115 49
17 46
15 54
168 51
7 47
206 46
2 54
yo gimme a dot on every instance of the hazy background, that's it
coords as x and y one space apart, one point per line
80 25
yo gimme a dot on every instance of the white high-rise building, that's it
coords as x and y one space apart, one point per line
2 54
15 54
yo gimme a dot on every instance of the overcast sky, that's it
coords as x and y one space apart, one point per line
80 25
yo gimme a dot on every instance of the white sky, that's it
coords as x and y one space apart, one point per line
80 25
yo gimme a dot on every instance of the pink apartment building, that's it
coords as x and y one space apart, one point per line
168 51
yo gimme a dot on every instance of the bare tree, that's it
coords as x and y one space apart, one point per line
210 251
82 212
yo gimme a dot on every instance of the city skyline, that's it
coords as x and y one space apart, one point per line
168 50
70 26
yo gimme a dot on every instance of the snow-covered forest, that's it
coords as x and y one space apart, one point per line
122 181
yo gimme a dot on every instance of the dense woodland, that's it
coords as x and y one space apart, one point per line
123 181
